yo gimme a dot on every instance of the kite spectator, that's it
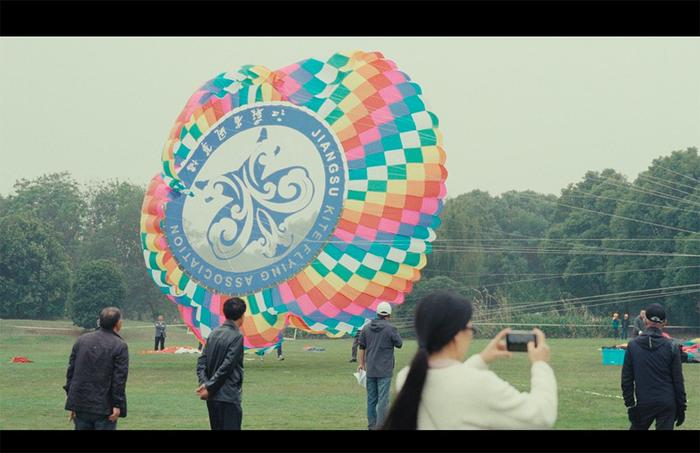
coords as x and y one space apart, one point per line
652 377
638 324
377 343
442 391
624 333
616 325
160 333
220 369
96 378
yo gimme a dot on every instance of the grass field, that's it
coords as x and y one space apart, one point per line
308 390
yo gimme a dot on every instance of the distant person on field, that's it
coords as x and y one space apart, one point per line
652 377
442 391
280 339
616 325
160 333
377 342
355 345
96 376
220 369
624 333
638 325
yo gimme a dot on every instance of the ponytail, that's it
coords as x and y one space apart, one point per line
438 318
404 411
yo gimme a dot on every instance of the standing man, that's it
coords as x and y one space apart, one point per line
377 343
625 326
355 345
160 333
638 324
280 339
96 376
652 378
616 325
220 369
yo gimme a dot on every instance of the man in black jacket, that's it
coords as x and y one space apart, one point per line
96 376
652 378
220 369
638 324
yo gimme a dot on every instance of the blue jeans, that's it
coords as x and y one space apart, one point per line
90 421
377 400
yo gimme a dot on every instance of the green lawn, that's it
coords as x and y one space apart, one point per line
309 390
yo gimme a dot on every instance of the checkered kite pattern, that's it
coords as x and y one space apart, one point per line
395 192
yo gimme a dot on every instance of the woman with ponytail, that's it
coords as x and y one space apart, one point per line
442 391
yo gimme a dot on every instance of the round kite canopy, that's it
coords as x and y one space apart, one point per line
311 192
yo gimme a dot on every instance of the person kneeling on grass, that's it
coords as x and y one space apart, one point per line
440 391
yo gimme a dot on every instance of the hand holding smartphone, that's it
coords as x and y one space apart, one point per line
517 340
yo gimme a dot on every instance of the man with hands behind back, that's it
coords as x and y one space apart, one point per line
220 369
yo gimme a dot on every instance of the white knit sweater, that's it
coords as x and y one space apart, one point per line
470 396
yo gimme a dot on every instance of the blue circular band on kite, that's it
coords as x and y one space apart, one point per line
266 188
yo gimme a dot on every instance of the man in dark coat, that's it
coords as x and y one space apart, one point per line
355 345
160 333
652 377
220 369
625 326
377 342
96 376
638 325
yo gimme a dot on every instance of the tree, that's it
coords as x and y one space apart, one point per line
56 201
577 239
98 284
466 220
665 202
112 233
684 307
34 272
421 289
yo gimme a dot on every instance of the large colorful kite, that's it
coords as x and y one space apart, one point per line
311 192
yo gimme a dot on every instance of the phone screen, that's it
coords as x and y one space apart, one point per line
517 340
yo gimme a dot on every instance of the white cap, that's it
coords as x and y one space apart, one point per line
384 308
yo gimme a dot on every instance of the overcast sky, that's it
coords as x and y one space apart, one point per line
515 113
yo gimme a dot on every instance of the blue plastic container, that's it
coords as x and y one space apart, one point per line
613 356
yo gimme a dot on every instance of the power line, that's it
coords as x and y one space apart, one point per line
561 276
553 275
676 173
464 249
665 186
693 188
621 217
624 294
629 201
564 240
672 181
572 239
485 314
648 192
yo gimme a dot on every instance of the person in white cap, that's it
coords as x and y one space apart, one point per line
377 343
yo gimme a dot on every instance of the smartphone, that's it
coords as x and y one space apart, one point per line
517 340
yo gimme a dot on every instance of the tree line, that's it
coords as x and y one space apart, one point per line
67 249
604 244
